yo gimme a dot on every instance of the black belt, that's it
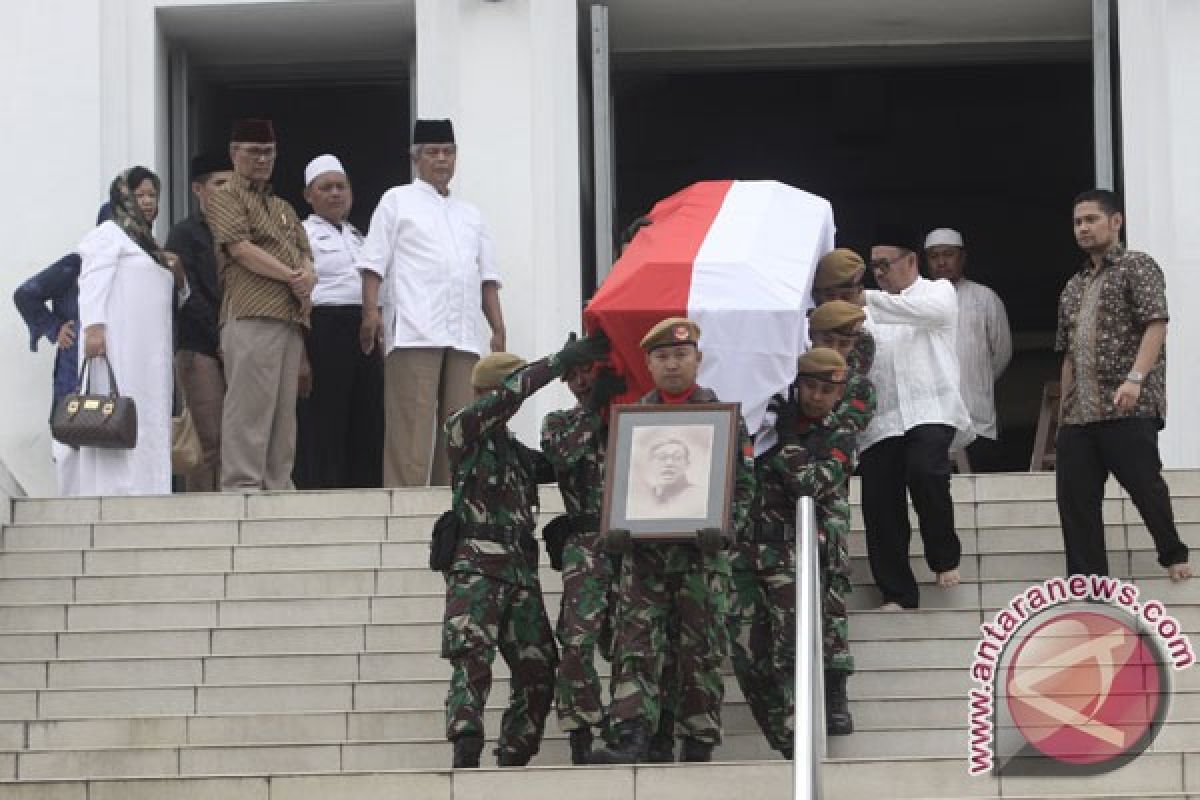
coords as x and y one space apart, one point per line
585 523
495 533
766 532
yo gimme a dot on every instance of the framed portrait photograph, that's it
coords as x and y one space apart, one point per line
670 469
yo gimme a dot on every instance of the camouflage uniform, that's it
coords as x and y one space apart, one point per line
762 622
493 598
574 442
858 407
662 582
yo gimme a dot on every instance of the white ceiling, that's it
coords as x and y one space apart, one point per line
361 36
376 37
722 33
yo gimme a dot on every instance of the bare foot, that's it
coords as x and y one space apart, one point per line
889 606
948 578
1179 572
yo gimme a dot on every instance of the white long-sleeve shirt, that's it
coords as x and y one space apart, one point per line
916 367
984 350
433 254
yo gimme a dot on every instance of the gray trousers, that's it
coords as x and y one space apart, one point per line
258 422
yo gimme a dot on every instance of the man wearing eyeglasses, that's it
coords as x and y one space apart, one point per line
919 415
266 269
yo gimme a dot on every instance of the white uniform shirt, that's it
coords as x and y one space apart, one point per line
335 255
984 350
916 369
433 254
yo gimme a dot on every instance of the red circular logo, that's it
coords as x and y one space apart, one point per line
1084 688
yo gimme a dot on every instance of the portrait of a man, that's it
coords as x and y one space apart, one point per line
670 469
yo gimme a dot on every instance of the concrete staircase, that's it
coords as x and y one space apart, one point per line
284 647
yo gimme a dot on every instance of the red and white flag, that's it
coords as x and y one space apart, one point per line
737 258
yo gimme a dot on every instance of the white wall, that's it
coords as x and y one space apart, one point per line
507 75
1160 119
51 53
82 103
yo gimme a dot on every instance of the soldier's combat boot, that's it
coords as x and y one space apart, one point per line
838 721
581 745
466 750
632 741
695 750
512 757
661 749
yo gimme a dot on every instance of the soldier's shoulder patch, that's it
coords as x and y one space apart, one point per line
837 453
858 404
748 450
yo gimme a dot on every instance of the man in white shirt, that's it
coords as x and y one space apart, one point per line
919 415
984 342
433 257
339 435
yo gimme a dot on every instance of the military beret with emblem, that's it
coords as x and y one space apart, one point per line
491 370
671 331
824 364
840 267
836 315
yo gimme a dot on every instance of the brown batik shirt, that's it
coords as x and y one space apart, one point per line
243 212
1102 314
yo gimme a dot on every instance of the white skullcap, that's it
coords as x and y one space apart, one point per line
319 166
943 236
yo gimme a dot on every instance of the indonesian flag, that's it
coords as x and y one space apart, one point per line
735 257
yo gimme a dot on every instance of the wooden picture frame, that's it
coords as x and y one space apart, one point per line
670 469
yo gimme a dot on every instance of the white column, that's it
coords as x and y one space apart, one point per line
506 73
53 104
1160 126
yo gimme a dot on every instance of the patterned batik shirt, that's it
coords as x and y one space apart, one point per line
1102 314
244 212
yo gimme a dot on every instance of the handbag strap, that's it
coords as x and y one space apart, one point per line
85 374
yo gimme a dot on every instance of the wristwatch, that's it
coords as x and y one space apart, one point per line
1135 377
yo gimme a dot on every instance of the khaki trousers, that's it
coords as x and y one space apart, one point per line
203 384
423 386
258 423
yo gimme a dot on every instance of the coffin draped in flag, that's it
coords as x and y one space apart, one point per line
736 257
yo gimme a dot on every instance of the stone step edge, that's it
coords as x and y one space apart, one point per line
266 775
1140 544
492 706
490 739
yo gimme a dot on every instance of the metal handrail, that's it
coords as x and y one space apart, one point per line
809 744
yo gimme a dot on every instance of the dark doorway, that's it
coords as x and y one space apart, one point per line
364 125
996 151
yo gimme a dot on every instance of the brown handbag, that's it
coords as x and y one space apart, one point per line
83 419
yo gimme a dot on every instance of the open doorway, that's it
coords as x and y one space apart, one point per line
364 124
333 77
996 151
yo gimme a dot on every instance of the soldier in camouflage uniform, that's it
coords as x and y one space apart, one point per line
573 441
493 598
828 422
838 325
762 623
687 582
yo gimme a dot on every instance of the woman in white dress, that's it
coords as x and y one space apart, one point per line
125 293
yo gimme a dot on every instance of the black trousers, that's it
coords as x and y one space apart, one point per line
917 462
339 428
1085 455
985 455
